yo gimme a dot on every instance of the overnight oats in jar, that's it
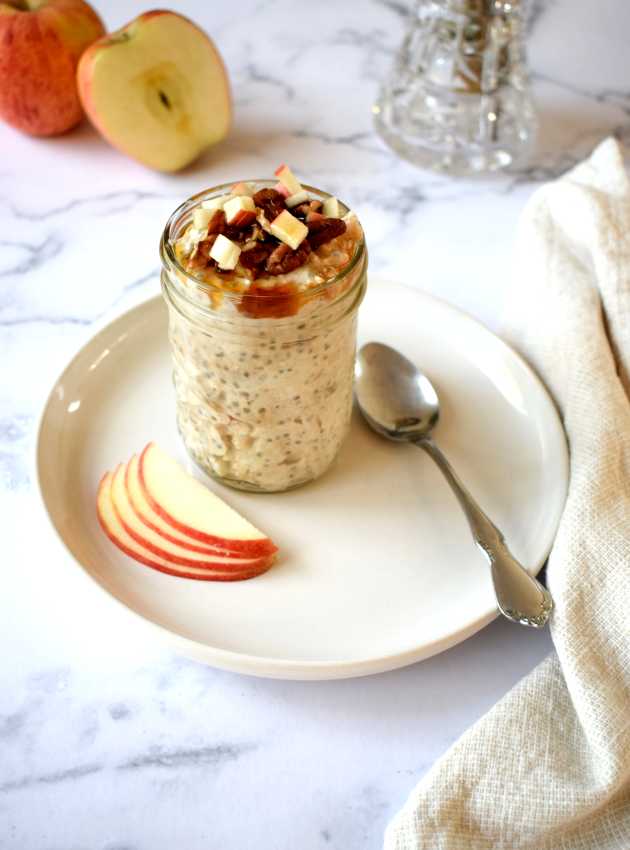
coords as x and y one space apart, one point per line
263 280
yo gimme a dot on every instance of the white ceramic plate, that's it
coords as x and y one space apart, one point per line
377 567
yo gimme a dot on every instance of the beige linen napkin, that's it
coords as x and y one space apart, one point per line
548 768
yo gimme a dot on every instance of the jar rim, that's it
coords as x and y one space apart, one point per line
171 263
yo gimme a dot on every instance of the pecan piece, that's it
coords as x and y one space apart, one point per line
270 202
254 259
282 259
217 223
201 258
323 230
302 210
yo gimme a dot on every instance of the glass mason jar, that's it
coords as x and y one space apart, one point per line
263 378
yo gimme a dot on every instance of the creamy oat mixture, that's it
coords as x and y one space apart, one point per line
263 342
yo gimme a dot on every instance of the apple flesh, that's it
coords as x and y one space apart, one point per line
186 505
240 211
40 46
157 90
165 549
288 179
288 229
225 252
116 532
153 520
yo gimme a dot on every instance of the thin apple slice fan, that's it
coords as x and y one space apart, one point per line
179 556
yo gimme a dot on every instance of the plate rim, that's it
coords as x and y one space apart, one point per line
281 668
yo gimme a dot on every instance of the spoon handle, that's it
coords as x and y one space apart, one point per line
521 597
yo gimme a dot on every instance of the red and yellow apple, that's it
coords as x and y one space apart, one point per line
157 90
40 45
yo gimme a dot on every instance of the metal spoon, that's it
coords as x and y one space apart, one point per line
400 403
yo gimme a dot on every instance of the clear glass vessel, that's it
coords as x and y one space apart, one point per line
263 378
457 99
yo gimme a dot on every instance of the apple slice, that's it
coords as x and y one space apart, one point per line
242 189
115 531
282 190
157 90
153 520
185 504
288 179
172 552
225 252
240 211
215 204
288 229
298 198
330 208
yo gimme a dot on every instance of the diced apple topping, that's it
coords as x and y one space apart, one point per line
263 232
242 189
191 238
288 179
201 217
233 549
215 203
281 190
331 208
225 252
288 229
240 211
298 198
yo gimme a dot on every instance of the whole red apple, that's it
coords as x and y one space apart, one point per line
40 45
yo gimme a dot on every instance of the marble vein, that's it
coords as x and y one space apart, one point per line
53 778
252 73
40 319
212 756
35 254
122 201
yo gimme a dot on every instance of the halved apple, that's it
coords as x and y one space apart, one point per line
157 90
153 520
169 551
117 534
185 504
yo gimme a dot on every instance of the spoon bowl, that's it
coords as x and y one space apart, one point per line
397 400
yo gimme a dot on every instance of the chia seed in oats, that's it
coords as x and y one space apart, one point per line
262 328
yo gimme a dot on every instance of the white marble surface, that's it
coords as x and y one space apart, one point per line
107 740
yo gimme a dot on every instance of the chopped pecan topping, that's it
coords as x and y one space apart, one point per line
312 216
271 202
302 210
217 223
201 258
236 233
255 258
283 259
323 230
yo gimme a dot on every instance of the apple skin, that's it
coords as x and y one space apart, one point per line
153 521
174 553
258 548
39 53
116 533
86 86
